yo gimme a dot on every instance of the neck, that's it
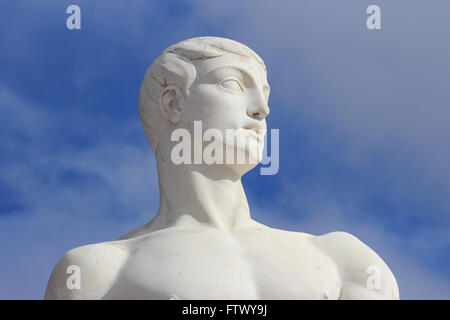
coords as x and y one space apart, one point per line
208 195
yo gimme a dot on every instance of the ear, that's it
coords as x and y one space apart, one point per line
169 103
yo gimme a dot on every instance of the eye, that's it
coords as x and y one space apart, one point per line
232 84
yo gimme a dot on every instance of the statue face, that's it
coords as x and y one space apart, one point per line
230 92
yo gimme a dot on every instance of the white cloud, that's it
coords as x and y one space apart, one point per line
70 197
318 214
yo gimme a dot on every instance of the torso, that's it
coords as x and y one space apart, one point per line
258 263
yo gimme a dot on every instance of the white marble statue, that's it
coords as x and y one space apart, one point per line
203 243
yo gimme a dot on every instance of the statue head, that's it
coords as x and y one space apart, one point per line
218 81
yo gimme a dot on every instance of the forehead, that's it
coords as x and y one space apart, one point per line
247 64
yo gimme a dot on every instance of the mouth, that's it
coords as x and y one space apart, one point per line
254 131
254 128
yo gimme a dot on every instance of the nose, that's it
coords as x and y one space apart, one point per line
259 108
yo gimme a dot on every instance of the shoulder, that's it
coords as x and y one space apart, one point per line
87 272
363 273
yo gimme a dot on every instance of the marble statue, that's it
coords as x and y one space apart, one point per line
203 243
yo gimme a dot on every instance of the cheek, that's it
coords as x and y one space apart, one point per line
217 108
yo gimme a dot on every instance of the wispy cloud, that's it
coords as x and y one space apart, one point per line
68 196
306 211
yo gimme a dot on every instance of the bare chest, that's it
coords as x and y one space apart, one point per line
214 267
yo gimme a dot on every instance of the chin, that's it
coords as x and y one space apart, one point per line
243 168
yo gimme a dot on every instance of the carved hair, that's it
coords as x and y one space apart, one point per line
176 66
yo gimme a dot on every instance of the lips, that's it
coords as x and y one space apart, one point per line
254 131
255 128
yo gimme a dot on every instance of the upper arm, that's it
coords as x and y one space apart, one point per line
93 267
364 275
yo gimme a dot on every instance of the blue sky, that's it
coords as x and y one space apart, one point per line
363 119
